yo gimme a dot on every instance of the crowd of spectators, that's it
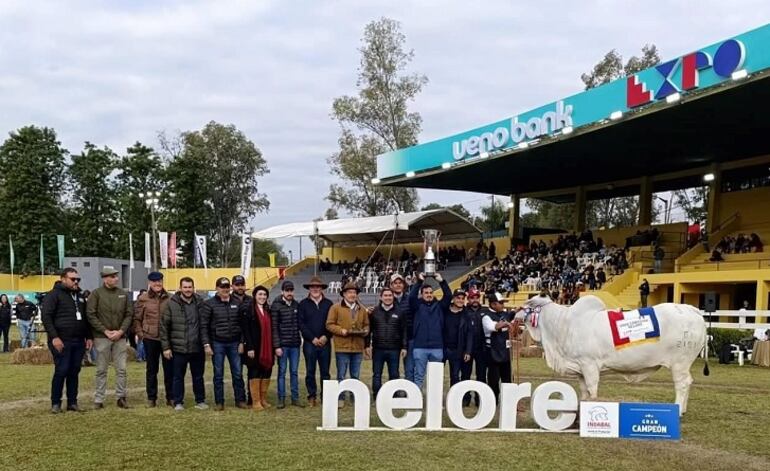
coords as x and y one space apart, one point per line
733 245
563 267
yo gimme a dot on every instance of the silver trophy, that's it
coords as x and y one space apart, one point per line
431 237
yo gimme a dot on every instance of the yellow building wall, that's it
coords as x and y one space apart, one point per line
206 279
752 205
617 235
28 283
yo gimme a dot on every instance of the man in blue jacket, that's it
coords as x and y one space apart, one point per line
316 346
428 328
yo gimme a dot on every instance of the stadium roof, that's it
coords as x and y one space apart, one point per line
672 122
351 231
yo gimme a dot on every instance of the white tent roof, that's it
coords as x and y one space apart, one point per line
372 229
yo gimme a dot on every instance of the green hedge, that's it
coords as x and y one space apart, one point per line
726 336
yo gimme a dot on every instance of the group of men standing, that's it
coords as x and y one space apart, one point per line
179 330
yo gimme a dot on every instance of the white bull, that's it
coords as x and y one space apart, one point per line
578 342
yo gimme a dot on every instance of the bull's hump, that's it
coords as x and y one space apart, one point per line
587 304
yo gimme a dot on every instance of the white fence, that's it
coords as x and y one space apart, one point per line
741 318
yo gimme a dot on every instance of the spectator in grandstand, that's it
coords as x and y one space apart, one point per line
258 339
146 325
284 314
428 324
110 316
316 346
180 339
222 338
658 255
492 250
348 322
5 320
601 277
644 291
69 336
25 320
386 343
755 245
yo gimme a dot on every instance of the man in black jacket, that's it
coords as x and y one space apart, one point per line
69 335
221 335
458 338
497 323
25 320
386 342
286 340
180 339
479 355
316 346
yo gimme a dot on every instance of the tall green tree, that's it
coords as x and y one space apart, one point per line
31 188
493 217
547 215
94 210
212 182
141 171
457 208
375 121
693 202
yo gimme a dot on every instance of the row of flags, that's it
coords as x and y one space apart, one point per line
167 249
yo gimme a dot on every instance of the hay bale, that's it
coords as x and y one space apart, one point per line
533 351
31 356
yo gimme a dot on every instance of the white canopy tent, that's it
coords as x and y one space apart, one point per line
367 230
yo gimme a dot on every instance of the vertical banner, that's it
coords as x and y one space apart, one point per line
272 259
60 247
245 255
147 251
200 244
163 241
172 249
131 264
12 256
42 256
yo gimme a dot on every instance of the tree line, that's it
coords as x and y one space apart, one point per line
205 181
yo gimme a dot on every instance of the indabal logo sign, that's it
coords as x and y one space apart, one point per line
728 58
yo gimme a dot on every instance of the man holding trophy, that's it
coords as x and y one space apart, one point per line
428 312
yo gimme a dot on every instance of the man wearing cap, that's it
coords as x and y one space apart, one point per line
284 315
109 313
401 302
222 337
316 345
497 322
475 313
241 297
349 323
148 309
428 324
458 340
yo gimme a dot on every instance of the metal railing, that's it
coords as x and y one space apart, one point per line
727 265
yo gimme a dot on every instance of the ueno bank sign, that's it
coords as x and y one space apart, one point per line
501 137
554 404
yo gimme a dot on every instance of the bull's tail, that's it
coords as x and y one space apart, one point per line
706 371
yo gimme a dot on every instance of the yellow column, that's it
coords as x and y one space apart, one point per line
677 292
763 289
580 209
645 202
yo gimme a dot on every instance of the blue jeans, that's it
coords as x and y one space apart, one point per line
290 354
323 357
379 358
66 370
229 350
140 354
409 361
197 362
421 358
25 332
348 360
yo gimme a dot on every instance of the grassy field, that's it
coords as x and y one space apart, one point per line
726 428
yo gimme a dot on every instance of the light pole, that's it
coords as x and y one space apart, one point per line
291 258
152 200
666 214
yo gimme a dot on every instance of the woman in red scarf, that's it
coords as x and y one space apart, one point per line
257 332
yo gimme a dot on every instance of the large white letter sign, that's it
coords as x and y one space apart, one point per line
454 405
434 395
566 406
510 395
412 403
332 390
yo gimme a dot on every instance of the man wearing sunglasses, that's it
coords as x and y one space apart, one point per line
69 335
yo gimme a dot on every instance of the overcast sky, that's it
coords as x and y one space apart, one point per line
116 72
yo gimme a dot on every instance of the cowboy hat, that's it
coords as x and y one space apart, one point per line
316 281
